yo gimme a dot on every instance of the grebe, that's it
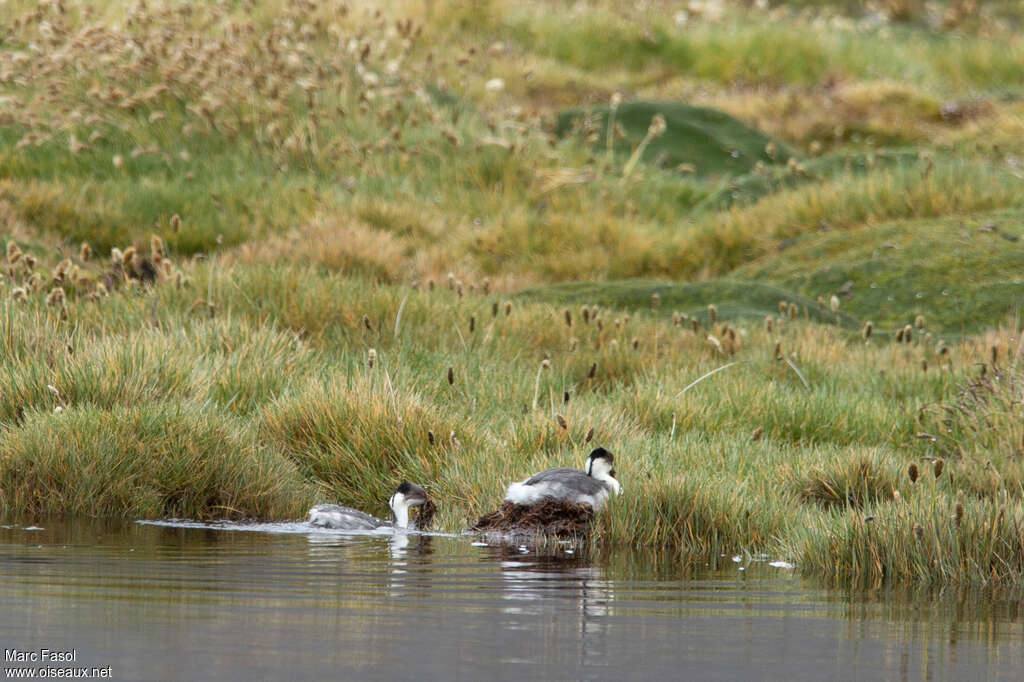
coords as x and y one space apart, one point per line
564 484
344 518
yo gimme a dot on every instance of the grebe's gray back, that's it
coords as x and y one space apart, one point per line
566 484
345 518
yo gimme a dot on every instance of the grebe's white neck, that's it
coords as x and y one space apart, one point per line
602 469
399 510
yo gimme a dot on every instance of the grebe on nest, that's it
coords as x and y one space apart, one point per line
345 518
572 486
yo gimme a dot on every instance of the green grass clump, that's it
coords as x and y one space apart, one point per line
710 142
144 461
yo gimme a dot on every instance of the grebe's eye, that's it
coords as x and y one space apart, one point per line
612 473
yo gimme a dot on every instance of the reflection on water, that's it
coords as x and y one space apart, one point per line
288 601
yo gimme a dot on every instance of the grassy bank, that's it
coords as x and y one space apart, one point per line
262 257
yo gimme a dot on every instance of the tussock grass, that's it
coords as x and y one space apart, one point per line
144 462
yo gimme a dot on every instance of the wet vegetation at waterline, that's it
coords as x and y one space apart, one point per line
258 392
263 255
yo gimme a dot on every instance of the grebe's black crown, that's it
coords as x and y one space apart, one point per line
601 453
408 489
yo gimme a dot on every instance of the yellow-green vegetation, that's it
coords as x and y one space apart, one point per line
270 253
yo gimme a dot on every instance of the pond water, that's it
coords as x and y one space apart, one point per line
288 602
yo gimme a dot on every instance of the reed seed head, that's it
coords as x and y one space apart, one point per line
938 465
56 297
713 313
116 257
908 334
19 293
545 364
568 317
13 252
783 307
912 472
176 223
494 309
869 327
156 247
371 357
472 323
508 308
793 310
994 351
451 376
593 370
590 435
430 437
777 351
918 532
757 434
655 301
85 252
636 343
695 323
128 258
769 324
585 313
833 303
919 322
565 397
658 126
561 421
958 514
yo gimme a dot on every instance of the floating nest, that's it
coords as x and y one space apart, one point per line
550 517
425 517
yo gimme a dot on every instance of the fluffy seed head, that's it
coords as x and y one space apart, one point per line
713 313
371 357
833 303
657 127
85 252
912 472
919 322
55 298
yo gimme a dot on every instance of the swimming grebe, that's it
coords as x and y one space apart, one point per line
344 518
570 485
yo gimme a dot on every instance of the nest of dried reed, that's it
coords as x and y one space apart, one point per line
426 514
550 517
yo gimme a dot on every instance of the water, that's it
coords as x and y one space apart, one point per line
172 603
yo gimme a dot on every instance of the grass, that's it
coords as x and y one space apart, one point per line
433 188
